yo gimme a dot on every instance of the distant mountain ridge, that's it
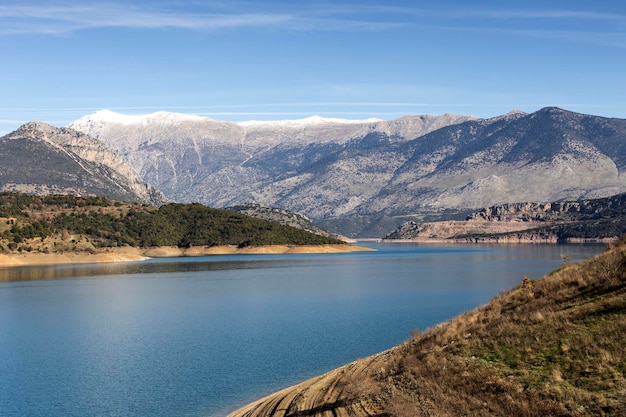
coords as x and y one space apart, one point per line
328 170
42 159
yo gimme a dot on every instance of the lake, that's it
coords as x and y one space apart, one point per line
202 336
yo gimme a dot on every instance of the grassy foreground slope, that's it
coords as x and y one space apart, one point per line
69 223
550 347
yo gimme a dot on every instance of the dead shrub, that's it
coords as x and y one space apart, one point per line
611 267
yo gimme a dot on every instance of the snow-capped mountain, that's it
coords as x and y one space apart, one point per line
220 163
327 168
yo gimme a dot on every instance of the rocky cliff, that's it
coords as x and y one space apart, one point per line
451 231
42 159
591 220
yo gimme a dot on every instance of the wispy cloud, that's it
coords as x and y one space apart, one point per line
64 17
548 14
573 26
60 19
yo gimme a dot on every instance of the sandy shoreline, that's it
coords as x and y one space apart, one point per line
128 254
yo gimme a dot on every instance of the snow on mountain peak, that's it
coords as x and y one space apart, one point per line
301 123
108 116
111 117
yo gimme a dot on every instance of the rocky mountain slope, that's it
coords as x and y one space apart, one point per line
42 159
282 216
329 169
550 347
602 219
223 164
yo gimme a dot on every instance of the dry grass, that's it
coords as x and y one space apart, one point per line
550 347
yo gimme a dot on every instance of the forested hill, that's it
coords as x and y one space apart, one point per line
60 222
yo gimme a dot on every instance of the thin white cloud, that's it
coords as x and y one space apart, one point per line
60 19
549 14
580 26
469 14
66 18
615 39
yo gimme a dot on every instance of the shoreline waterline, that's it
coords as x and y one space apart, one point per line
131 254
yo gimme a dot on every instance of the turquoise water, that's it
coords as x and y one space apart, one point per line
202 336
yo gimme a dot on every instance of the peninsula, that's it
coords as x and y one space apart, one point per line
60 229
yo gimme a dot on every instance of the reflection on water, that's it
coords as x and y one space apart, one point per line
33 273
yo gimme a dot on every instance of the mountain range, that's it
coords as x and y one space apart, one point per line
275 164
340 170
357 178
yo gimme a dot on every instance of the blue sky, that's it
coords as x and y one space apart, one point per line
271 60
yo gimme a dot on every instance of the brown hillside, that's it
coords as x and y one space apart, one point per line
550 347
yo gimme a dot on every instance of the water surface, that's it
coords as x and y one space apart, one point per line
202 336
